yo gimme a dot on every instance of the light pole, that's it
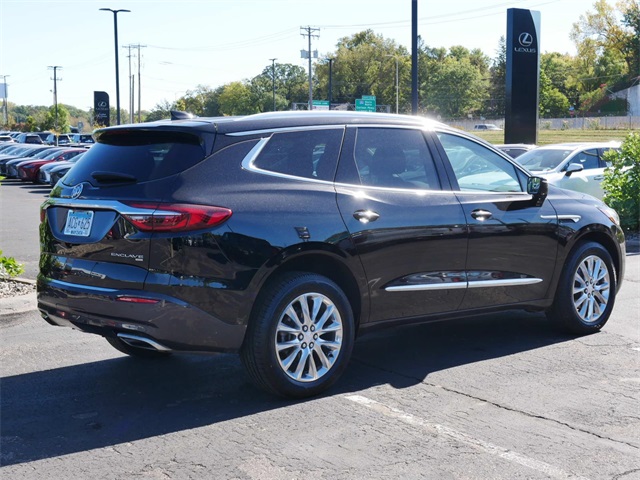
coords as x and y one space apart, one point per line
273 80
397 84
115 35
331 81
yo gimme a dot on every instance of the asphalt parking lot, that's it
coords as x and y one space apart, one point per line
504 396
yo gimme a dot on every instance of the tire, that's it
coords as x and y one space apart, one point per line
123 347
586 292
300 336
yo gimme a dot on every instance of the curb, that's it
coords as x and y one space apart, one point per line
13 306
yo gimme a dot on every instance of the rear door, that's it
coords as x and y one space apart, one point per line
407 226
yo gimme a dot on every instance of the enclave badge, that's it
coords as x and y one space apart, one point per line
77 191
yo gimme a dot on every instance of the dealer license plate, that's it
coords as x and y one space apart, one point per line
79 223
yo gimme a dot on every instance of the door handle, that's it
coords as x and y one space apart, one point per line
599 177
481 215
366 216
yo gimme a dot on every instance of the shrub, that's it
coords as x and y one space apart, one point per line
621 182
9 267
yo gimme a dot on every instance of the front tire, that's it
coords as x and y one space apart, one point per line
586 292
300 337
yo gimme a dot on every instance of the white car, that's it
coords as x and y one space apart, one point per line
574 166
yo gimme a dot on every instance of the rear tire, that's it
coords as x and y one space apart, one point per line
123 347
586 292
300 337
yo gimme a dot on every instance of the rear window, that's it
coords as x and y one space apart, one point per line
138 156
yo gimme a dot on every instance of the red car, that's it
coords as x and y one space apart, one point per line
29 169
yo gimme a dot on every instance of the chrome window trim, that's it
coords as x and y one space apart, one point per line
509 282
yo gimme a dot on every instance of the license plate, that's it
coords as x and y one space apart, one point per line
78 223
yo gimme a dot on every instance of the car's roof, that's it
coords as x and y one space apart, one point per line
264 121
579 145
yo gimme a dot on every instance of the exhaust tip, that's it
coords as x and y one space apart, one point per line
142 342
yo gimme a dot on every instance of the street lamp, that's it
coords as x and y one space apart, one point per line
115 34
397 84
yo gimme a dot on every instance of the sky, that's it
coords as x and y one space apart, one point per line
214 42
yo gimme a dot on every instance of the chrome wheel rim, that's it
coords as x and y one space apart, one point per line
591 287
308 337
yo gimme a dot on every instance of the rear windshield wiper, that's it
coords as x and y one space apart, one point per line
113 177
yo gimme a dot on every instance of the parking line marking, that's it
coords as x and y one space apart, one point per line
434 428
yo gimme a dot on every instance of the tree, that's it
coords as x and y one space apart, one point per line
161 111
552 102
622 182
498 81
599 32
236 99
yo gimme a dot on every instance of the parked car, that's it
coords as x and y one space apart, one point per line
6 138
82 138
574 166
62 139
486 126
30 169
514 150
281 236
22 152
56 168
29 138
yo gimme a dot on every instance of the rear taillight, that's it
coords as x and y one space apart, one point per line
176 217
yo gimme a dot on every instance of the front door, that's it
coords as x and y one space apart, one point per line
512 247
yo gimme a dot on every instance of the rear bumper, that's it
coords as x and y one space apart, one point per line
170 322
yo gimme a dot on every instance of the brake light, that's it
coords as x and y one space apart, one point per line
137 300
176 217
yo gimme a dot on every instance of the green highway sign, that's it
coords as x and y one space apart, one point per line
366 104
321 105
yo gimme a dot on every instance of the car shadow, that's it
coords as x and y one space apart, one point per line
81 407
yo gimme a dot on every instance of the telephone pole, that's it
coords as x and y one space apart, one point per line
139 80
309 32
273 80
131 83
4 98
55 79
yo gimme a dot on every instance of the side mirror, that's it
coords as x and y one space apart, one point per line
539 188
573 167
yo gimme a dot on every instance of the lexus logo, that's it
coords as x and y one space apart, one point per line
77 191
525 39
104 104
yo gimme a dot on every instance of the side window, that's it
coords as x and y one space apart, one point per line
478 168
307 154
394 158
588 159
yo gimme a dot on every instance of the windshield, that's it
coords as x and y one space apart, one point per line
542 160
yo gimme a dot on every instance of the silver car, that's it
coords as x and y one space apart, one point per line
574 166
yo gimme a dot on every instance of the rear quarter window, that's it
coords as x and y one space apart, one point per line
141 155
308 154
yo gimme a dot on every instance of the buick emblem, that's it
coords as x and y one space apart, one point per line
77 191
525 39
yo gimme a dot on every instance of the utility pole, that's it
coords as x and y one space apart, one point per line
414 57
273 80
55 95
131 95
331 81
139 81
4 97
310 33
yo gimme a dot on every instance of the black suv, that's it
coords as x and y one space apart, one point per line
281 236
